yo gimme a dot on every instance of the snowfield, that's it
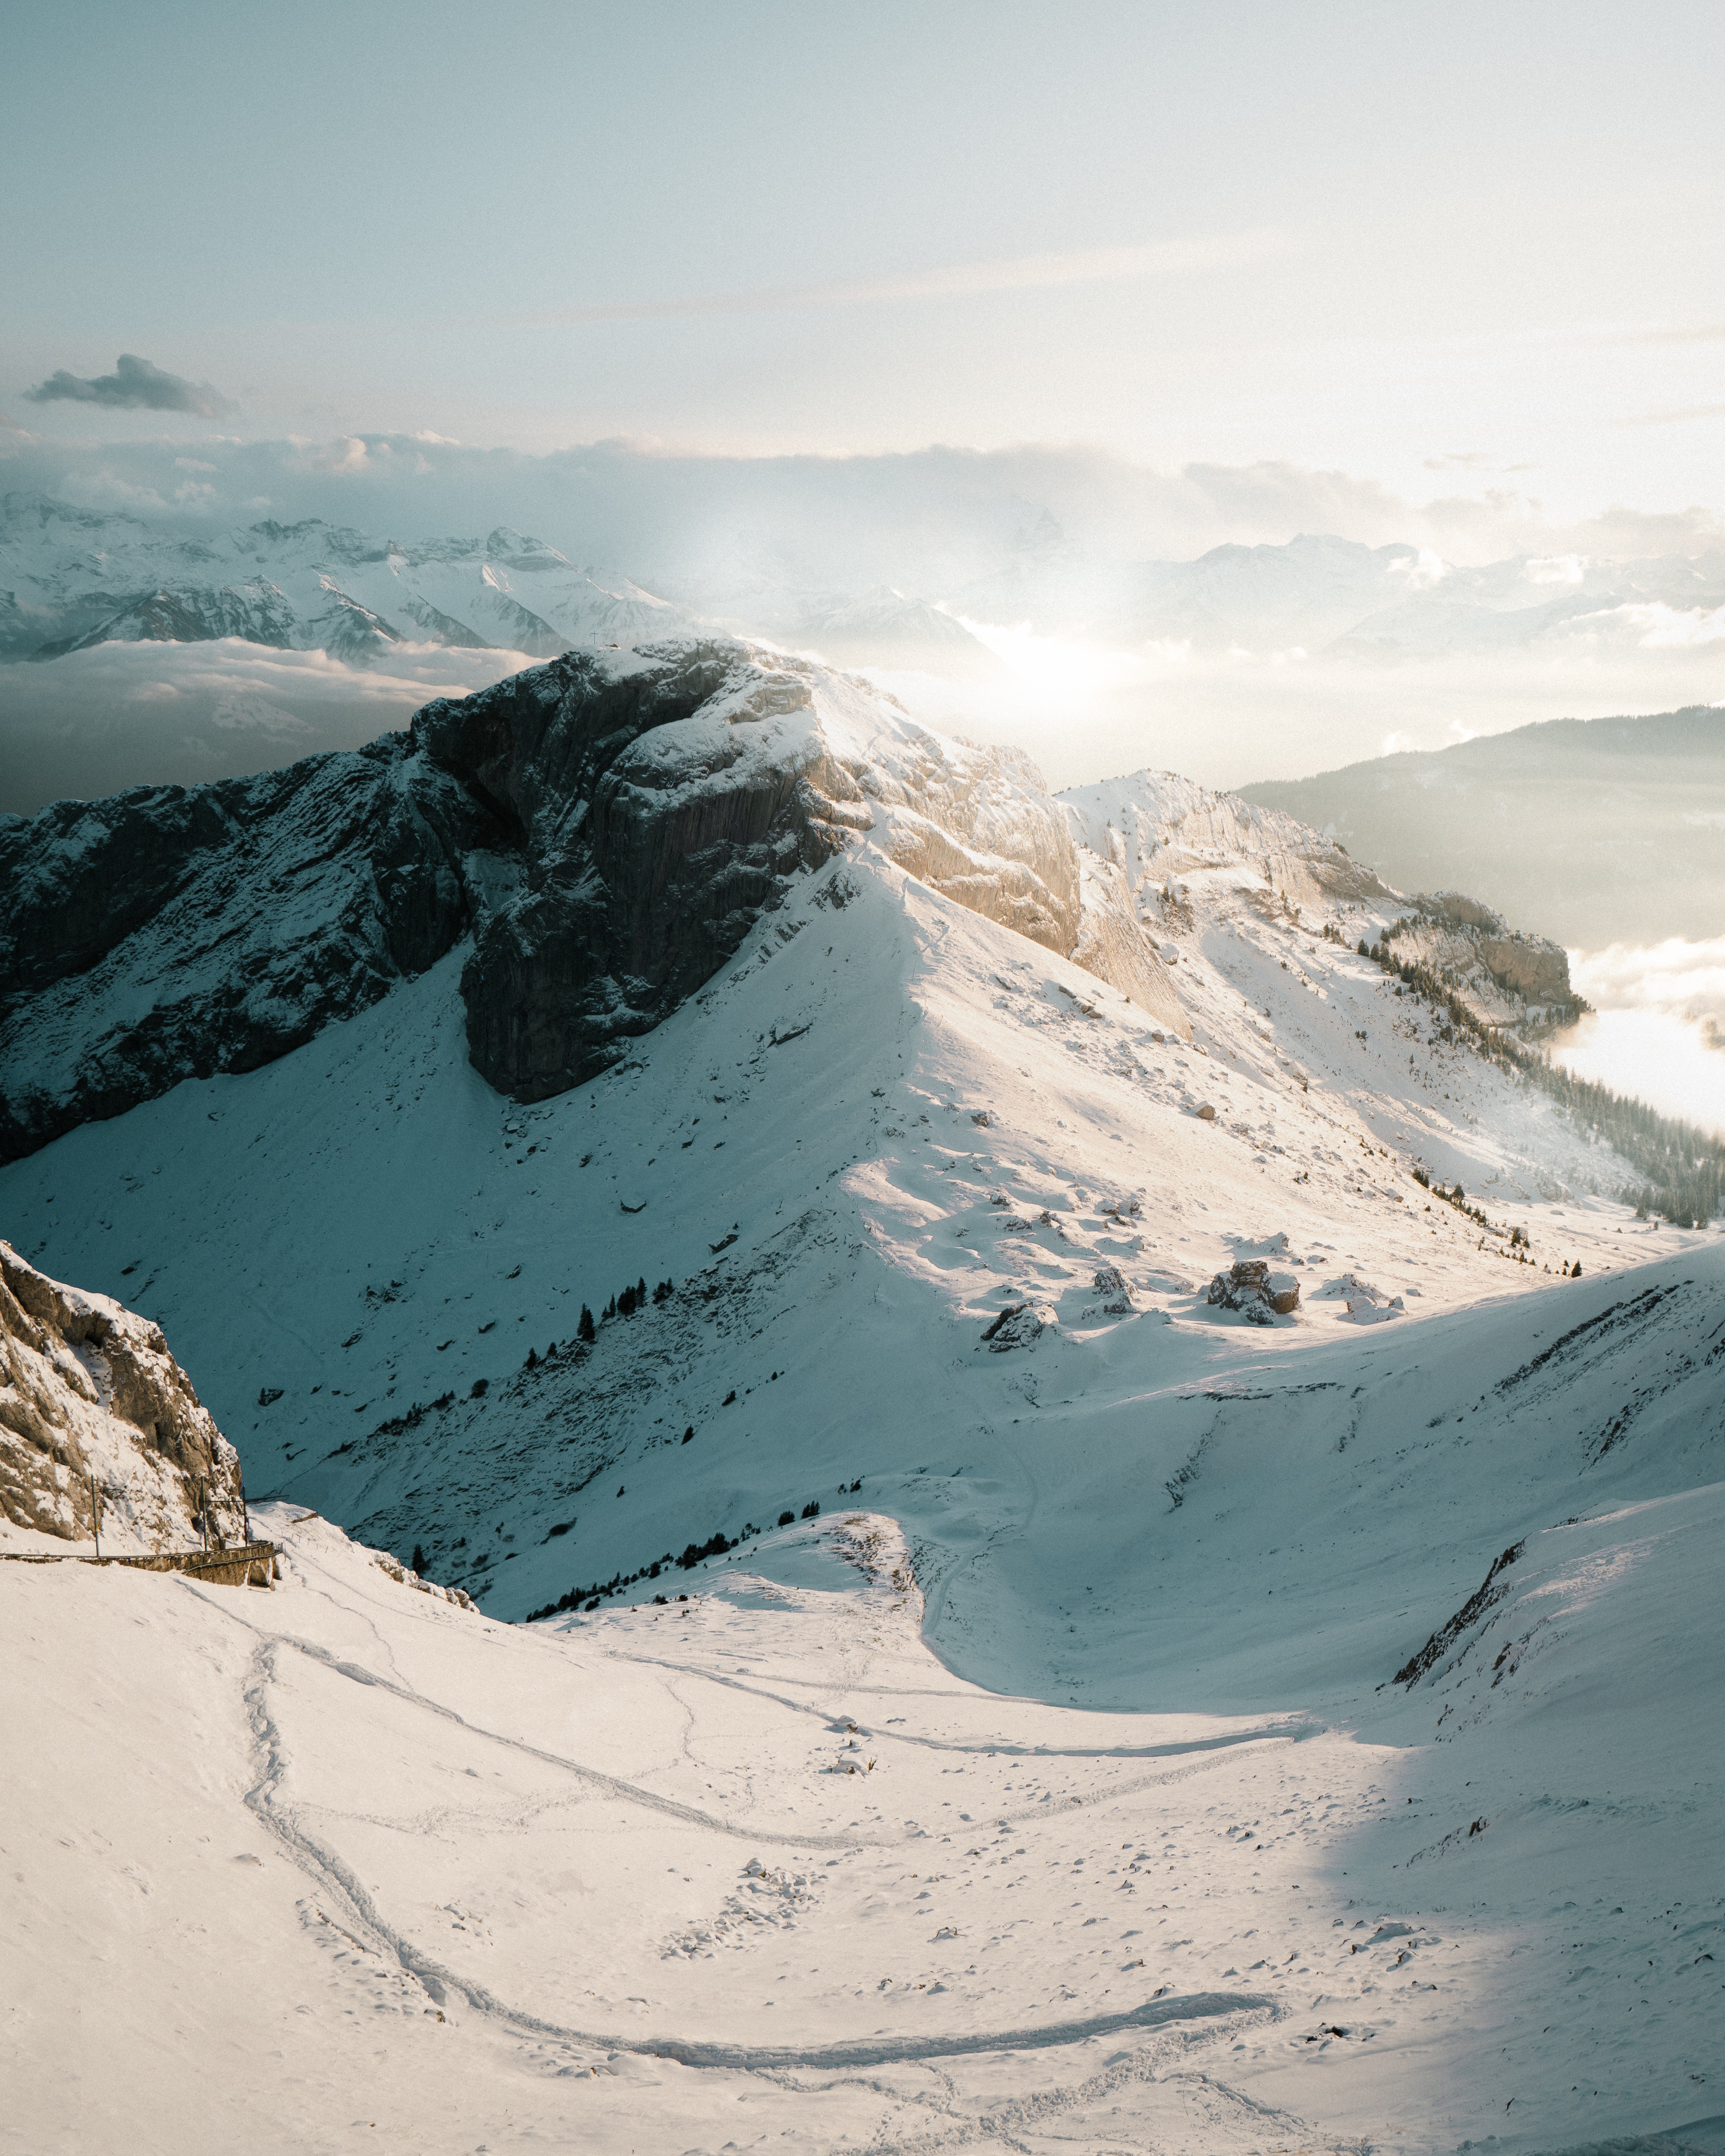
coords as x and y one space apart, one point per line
1100 1720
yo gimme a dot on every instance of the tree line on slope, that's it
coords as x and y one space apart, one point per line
1682 1168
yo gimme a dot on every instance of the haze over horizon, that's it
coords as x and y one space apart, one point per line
1433 253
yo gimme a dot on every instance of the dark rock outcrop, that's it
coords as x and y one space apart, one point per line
172 933
653 812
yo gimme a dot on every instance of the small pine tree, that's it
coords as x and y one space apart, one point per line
584 1331
419 1564
611 1307
640 1292
532 1360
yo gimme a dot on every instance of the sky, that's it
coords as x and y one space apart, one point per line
1473 250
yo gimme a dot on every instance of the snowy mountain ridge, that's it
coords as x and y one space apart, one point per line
976 1651
72 578
605 829
603 870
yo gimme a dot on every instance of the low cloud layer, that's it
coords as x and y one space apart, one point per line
137 386
1658 1026
123 714
933 521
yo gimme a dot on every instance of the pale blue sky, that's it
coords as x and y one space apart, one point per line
1366 237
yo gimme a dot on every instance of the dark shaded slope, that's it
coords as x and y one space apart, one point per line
606 859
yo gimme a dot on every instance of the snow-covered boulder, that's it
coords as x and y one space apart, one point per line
1259 1294
90 1395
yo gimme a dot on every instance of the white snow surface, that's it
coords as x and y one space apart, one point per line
1051 1786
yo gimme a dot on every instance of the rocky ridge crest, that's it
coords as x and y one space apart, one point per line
605 827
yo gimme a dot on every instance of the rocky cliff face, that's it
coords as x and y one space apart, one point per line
1158 828
1506 977
89 1394
171 932
606 828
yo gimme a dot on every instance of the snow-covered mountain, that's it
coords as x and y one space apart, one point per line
1317 594
71 579
606 830
1106 1706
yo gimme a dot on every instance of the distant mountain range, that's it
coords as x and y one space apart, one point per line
1596 831
71 579
1326 595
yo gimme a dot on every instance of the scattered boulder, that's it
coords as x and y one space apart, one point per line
1110 1283
1259 1294
1018 1326
1204 1112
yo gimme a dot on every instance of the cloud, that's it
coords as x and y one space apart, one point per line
1676 975
347 453
1025 273
1555 568
1677 417
1472 460
937 519
1665 628
135 385
1274 500
1673 333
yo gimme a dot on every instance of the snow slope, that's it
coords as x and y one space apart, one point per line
1197 1619
419 1880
